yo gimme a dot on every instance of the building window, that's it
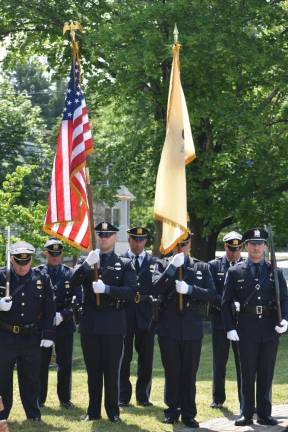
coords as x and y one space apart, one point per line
112 216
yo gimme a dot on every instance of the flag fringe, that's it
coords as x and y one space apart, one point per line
49 231
178 240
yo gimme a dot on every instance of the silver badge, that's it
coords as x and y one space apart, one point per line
257 287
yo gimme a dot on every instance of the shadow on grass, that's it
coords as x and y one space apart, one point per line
29 426
73 413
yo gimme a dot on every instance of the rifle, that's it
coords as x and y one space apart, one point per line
275 273
8 264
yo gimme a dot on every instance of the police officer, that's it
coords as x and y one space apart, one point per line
103 327
180 332
139 317
220 343
60 276
250 282
26 323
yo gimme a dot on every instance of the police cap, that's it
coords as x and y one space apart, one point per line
22 252
233 239
138 233
54 246
105 229
255 235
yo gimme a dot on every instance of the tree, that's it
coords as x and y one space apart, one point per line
25 221
33 79
22 142
233 65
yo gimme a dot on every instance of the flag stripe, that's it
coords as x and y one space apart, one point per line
67 214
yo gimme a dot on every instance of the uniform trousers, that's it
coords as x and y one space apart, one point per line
102 356
27 356
144 345
180 361
64 352
257 364
221 346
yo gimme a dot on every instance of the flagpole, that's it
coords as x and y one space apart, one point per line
180 269
72 27
92 231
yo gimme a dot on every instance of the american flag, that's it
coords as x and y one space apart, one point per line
67 215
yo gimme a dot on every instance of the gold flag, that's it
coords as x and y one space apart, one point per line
170 205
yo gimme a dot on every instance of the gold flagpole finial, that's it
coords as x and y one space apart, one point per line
72 26
176 34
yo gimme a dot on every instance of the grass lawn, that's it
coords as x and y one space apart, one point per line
138 419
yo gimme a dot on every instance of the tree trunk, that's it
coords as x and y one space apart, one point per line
202 248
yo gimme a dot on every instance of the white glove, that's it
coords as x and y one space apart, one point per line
46 343
283 328
93 257
5 304
237 306
58 318
98 287
178 259
233 335
182 287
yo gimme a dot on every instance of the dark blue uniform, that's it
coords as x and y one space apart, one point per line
258 339
139 317
63 293
29 320
180 333
220 343
103 328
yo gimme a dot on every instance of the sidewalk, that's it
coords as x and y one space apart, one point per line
223 424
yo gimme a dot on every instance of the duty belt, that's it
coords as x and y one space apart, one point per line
143 298
26 329
257 310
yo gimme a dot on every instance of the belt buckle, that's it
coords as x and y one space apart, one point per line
259 310
16 329
137 298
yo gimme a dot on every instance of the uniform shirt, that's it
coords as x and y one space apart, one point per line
239 284
60 276
139 315
132 256
119 276
32 303
187 325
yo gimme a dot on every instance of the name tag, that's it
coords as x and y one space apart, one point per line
240 280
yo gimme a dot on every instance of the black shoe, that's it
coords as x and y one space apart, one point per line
87 417
34 419
67 405
123 404
115 419
190 422
216 405
169 420
243 421
270 421
144 404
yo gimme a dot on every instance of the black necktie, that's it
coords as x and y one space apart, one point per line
257 270
136 263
